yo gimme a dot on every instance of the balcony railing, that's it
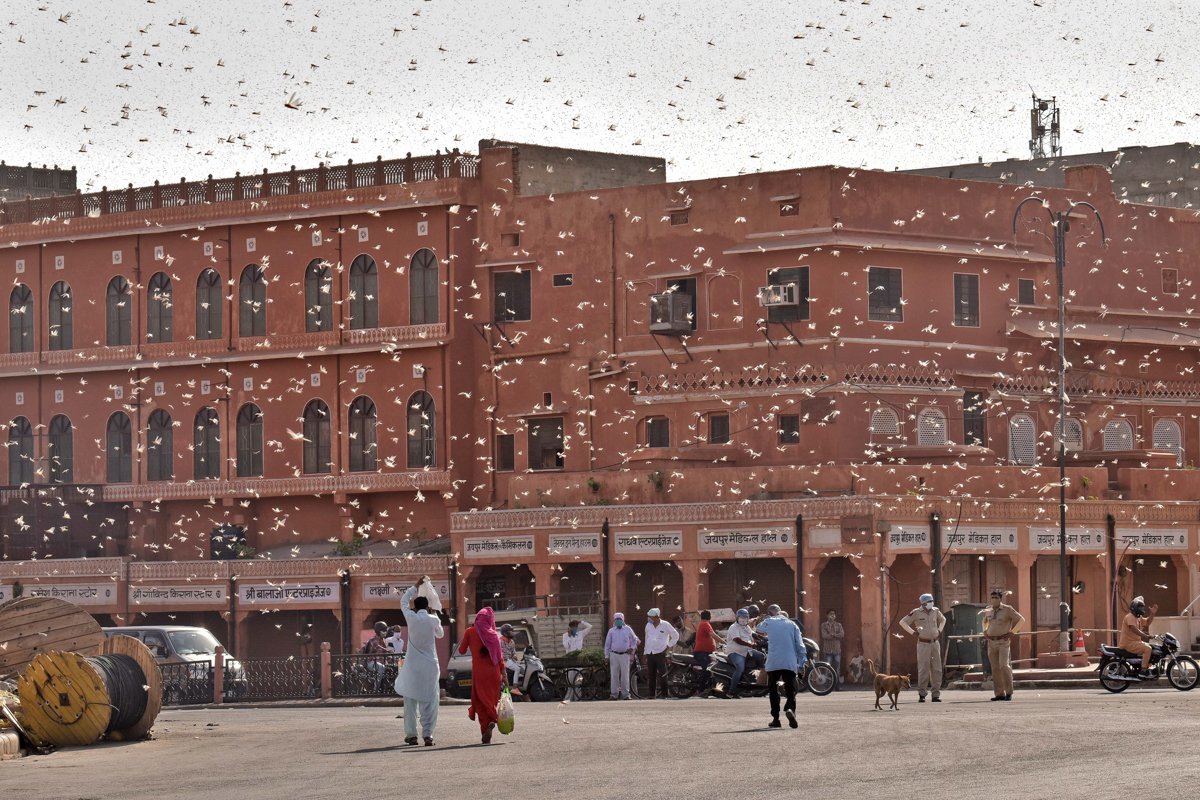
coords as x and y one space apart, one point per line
432 480
410 169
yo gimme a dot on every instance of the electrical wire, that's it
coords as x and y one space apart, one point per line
126 683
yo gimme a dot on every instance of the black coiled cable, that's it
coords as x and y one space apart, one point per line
126 684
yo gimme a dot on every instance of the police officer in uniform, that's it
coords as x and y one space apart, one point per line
1000 622
927 622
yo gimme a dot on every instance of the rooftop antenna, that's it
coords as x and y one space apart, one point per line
1044 129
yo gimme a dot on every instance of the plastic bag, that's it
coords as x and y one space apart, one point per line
427 591
504 713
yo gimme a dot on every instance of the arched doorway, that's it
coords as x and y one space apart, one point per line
505 588
578 586
841 592
1157 578
738 582
651 584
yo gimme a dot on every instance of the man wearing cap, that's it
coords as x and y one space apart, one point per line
741 651
785 657
1000 622
926 623
620 647
661 636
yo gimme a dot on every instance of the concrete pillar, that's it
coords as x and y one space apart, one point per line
467 577
545 582
873 596
1026 646
812 593
695 584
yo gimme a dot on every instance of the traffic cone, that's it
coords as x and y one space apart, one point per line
1079 645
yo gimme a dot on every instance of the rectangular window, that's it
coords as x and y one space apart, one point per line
510 239
546 443
782 277
687 287
883 295
718 429
506 460
658 432
966 300
1170 281
789 208
512 296
564 279
975 418
1025 291
679 217
789 429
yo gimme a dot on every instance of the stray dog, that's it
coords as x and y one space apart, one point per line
858 669
891 685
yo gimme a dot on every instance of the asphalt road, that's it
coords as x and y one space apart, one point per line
1059 744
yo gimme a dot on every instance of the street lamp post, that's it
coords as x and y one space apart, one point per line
1060 220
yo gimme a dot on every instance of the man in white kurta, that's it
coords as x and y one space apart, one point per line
418 680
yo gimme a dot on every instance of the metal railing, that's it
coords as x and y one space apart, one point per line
290 678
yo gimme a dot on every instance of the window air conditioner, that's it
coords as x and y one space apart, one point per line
670 313
784 294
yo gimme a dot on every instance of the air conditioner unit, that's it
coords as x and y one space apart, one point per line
783 294
670 313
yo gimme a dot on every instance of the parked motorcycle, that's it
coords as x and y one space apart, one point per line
532 680
815 676
1118 668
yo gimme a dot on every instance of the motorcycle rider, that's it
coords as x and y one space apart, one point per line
1135 640
377 646
741 649
508 648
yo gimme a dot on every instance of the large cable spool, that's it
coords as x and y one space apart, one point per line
71 699
30 626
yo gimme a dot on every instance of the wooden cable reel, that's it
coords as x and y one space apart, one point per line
71 699
30 626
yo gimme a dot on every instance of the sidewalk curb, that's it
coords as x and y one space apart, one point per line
336 702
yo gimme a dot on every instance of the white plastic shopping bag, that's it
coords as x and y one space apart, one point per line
427 591
504 713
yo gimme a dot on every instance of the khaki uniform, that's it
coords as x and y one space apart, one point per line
927 625
998 624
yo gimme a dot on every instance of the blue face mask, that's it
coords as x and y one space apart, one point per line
620 623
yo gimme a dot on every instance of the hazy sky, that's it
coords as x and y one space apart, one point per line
134 90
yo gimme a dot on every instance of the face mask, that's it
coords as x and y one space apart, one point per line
620 623
926 606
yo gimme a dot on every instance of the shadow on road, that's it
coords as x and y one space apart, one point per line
453 747
366 750
763 729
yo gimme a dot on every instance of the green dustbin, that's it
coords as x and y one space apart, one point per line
964 620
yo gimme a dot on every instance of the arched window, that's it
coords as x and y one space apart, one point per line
20 320
1167 436
1022 440
364 293
20 452
884 423
158 309
60 450
931 428
658 432
249 442
1074 437
118 313
423 288
316 439
252 300
160 448
206 450
209 299
422 431
61 328
119 449
1118 435
318 296
363 418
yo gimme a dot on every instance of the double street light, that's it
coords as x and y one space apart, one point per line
1061 222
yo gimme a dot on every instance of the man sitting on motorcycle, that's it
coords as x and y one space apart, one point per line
741 650
508 649
1133 638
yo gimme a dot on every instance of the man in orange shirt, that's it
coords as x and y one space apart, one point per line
706 645
1133 639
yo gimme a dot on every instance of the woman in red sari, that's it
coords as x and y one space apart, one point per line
487 670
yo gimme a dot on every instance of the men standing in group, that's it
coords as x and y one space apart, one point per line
1000 622
620 648
741 650
661 636
926 622
832 634
785 657
420 676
